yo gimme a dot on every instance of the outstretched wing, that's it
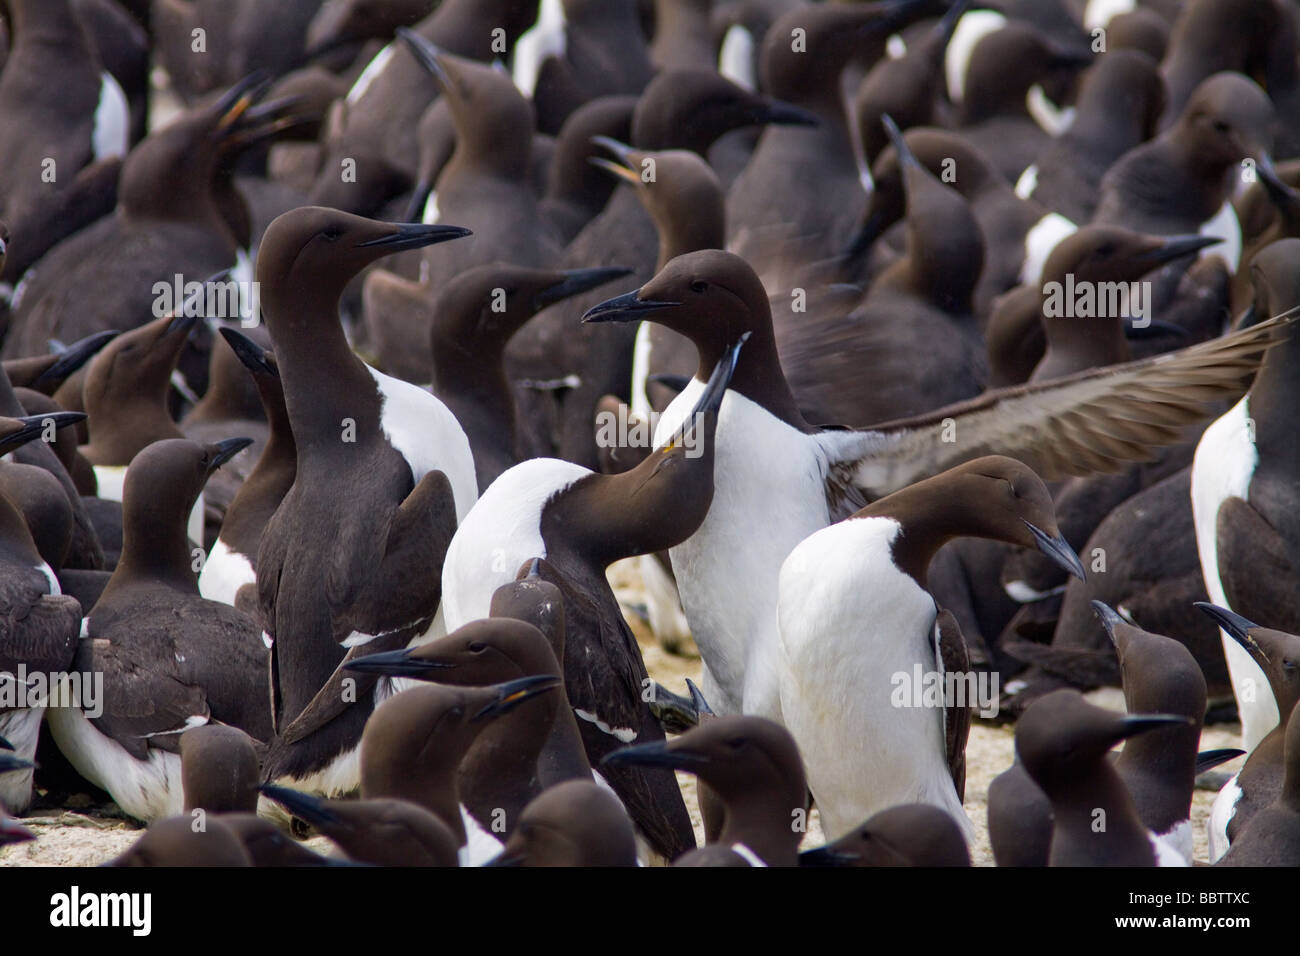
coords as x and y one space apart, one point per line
1095 421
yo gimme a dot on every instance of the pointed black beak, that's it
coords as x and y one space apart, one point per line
1207 760
827 856
1236 626
1137 724
252 355
426 54
1058 550
626 308
304 806
12 831
399 663
35 426
654 754
1070 57
415 235
1279 191
513 693
711 398
1109 619
1248 318
905 155
10 762
867 234
774 112
236 100
194 307
624 168
1151 328
575 282
419 199
225 450
1175 247
74 357
5 744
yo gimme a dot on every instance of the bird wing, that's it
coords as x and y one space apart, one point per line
1255 567
1095 421
143 704
37 629
950 652
418 535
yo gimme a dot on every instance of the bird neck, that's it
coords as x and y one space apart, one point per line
323 380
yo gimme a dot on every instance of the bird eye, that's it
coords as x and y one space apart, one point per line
699 286
477 647
735 743
332 233
1220 126
1106 250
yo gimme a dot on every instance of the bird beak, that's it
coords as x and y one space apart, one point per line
419 199
1175 247
5 744
399 663
1151 328
427 54
513 693
10 762
827 856
225 450
625 168
774 112
656 754
236 101
905 155
626 308
252 355
1109 619
34 426
575 282
1277 187
74 356
187 316
304 806
1207 760
1236 627
1134 725
868 234
12 831
1070 57
415 235
1058 550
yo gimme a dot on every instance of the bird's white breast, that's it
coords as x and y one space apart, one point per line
501 532
1225 805
428 436
1222 468
224 573
852 625
545 38
111 136
769 494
